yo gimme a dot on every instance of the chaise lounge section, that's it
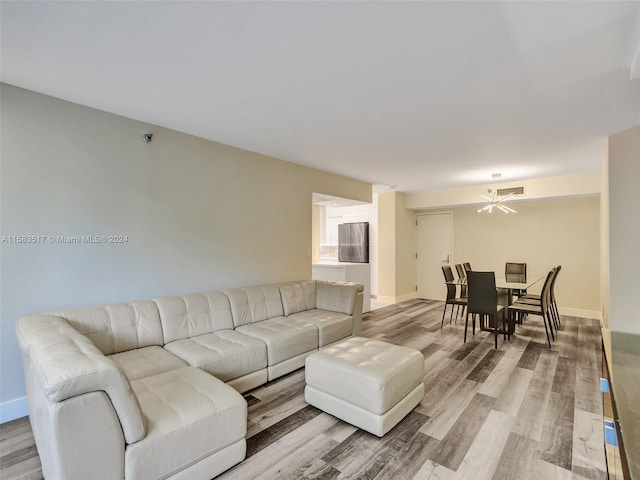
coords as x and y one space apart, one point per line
152 389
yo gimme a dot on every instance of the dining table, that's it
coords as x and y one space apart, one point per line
505 292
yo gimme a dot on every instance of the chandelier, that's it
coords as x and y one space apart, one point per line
497 202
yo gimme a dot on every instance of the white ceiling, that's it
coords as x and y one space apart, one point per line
417 95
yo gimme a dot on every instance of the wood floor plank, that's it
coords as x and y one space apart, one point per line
410 459
450 410
530 418
455 444
514 392
483 455
265 438
305 464
556 443
530 356
517 459
380 452
588 437
433 471
498 378
484 368
286 446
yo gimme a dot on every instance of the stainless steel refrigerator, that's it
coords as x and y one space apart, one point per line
353 242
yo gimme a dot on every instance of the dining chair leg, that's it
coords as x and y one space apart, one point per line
443 314
544 321
504 329
554 307
466 323
495 330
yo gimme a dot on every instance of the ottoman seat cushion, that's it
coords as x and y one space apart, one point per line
369 383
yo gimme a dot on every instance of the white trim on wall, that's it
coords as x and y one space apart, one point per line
401 298
13 409
580 313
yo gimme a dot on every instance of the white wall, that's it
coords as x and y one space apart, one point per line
197 215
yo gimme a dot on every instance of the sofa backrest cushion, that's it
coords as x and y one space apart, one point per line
67 364
337 296
196 314
254 304
119 327
298 296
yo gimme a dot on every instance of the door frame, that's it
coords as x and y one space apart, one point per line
422 214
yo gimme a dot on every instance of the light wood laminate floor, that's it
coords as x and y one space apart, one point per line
523 411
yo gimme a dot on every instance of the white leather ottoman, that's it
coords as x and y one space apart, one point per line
368 383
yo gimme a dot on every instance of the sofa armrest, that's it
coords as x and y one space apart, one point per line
343 297
357 314
67 364
337 296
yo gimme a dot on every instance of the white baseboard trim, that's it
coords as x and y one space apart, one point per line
401 298
580 312
13 409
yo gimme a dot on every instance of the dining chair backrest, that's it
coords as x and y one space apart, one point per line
515 272
482 293
552 290
545 295
461 276
467 266
448 277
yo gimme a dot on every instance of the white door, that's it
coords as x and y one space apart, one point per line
433 250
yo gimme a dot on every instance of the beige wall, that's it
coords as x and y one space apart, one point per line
387 245
198 215
624 230
405 249
544 233
396 248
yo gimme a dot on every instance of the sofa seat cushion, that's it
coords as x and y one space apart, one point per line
285 337
226 354
146 362
189 415
332 326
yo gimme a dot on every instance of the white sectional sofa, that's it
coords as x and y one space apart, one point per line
143 390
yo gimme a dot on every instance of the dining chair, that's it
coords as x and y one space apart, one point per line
467 266
482 299
462 277
516 272
553 305
452 299
543 309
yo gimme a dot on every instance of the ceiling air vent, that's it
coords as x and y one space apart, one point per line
503 192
